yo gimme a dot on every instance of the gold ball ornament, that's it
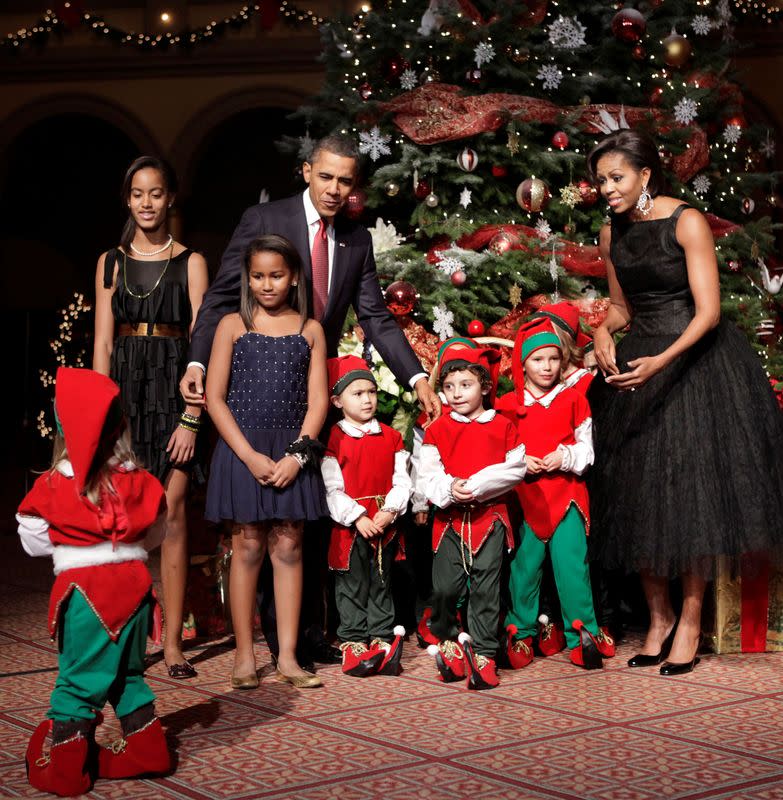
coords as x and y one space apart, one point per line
392 189
676 50
533 195
431 200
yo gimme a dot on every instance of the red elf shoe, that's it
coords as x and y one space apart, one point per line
482 671
64 770
605 642
518 651
392 653
424 635
142 752
587 655
551 637
449 659
359 661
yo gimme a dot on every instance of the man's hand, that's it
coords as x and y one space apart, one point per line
366 527
428 400
191 386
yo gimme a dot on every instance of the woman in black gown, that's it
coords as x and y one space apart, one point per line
688 436
148 292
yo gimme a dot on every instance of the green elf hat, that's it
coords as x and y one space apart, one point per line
537 334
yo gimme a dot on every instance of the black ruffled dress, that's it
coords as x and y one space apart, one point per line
148 368
690 465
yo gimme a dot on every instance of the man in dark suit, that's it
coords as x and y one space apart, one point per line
339 268
351 279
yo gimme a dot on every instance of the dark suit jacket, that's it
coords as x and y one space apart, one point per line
354 282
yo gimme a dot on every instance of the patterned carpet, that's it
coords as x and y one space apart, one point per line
551 731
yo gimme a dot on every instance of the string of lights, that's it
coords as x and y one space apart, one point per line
71 15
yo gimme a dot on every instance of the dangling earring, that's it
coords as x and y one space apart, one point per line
645 202
294 284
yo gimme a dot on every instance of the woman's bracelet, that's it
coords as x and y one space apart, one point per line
189 422
188 427
305 450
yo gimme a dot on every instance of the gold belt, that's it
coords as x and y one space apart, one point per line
146 329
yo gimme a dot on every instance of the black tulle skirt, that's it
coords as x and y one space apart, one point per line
689 466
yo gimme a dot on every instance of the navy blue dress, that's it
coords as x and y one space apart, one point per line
267 395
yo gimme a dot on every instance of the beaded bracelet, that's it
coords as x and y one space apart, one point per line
188 427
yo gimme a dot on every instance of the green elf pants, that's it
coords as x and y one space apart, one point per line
450 580
568 550
363 595
93 669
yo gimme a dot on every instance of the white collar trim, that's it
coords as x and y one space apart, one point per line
357 431
575 377
544 400
64 467
485 416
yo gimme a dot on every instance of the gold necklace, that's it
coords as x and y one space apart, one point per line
157 282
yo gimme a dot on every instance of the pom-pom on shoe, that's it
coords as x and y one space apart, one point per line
449 659
141 752
605 643
587 654
519 652
392 653
482 671
65 769
359 661
551 637
424 635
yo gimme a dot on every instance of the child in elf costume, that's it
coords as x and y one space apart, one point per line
96 514
470 458
365 472
555 423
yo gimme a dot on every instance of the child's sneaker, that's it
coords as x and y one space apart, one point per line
424 635
551 637
587 654
449 659
482 671
392 653
359 661
519 652
605 642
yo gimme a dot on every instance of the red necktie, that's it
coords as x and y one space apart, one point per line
320 262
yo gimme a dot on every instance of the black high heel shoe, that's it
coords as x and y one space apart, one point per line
642 660
669 668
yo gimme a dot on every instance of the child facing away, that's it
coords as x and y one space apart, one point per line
470 457
266 389
554 422
365 472
96 513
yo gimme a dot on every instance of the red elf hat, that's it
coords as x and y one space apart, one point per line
87 408
344 370
564 315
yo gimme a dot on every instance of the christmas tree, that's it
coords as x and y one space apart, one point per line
476 119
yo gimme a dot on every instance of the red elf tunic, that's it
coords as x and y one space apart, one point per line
97 550
465 447
370 465
561 419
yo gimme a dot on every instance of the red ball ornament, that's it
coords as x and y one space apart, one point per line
560 140
473 76
355 203
400 298
588 193
458 278
656 95
736 119
394 67
638 52
422 190
365 91
502 242
735 266
499 171
628 25
476 327
533 195
569 229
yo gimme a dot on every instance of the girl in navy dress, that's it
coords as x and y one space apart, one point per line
266 390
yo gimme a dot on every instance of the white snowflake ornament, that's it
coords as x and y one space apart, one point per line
465 197
731 134
408 80
550 76
484 52
384 237
701 25
685 110
448 265
374 143
767 147
543 229
701 184
306 143
443 319
566 33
